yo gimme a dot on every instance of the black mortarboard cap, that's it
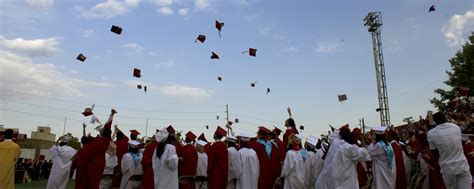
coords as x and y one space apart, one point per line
201 38
301 127
253 84
81 57
139 86
214 55
432 8
137 73
219 78
116 29
268 90
252 52
145 88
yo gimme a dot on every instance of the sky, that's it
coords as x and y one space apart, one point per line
308 53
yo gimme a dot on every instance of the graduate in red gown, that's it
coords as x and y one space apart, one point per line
148 180
207 146
290 129
268 157
217 167
78 163
187 165
400 180
281 146
121 142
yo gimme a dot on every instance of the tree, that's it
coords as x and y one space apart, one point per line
461 76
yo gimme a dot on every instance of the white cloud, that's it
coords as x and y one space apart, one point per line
183 11
165 11
108 9
269 31
41 4
32 48
291 49
167 64
162 3
133 46
327 47
185 91
21 74
202 4
88 33
455 30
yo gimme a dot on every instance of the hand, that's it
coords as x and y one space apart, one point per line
84 125
116 127
113 111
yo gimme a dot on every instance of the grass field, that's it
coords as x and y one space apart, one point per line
40 184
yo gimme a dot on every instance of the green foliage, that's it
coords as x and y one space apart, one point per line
461 74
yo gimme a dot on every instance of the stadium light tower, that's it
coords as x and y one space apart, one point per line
373 22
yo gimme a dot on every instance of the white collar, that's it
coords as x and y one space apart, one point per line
8 140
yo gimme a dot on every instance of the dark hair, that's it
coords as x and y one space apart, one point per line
133 150
290 122
84 140
119 135
272 135
107 133
380 137
231 144
62 143
347 136
8 134
244 144
217 136
319 144
309 148
439 118
160 148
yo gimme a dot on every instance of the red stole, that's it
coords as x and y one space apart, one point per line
400 181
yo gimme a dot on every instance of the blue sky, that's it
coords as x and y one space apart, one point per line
308 53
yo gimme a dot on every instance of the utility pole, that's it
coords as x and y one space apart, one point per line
363 126
227 112
373 21
64 128
146 127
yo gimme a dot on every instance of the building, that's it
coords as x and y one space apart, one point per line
43 133
38 144
17 136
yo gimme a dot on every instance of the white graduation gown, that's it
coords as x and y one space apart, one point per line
294 170
383 174
201 169
250 169
314 164
165 169
128 170
339 169
235 166
110 162
61 156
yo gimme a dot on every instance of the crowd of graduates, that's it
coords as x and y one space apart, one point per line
429 153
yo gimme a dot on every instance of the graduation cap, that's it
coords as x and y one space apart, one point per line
252 52
342 97
236 120
139 86
253 84
219 78
219 26
116 29
380 130
301 127
170 129
220 131
202 137
214 55
144 88
217 117
268 90
81 57
191 136
137 73
263 129
134 132
432 8
276 130
88 111
200 38
378 109
207 126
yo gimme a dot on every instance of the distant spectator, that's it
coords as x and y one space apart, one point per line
10 152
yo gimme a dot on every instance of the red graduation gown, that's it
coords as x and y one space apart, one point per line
287 134
400 180
468 148
207 147
281 149
148 180
96 161
80 162
188 164
217 166
270 167
361 174
122 149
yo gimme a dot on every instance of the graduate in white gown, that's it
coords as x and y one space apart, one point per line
165 162
61 155
111 162
339 169
250 165
131 166
383 161
235 166
202 163
314 164
294 166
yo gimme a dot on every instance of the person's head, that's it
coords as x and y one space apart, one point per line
319 144
346 135
8 134
119 135
294 142
200 148
107 133
133 146
231 144
219 133
160 148
84 140
439 118
290 122
271 136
